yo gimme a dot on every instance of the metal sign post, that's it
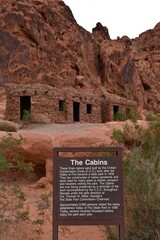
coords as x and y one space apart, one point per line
88 190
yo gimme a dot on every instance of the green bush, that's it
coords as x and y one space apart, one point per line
129 138
14 202
11 159
119 116
150 116
17 219
129 115
142 181
27 117
142 197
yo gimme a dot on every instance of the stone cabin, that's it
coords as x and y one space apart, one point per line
67 105
113 104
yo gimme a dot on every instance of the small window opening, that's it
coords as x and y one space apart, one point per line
61 105
89 108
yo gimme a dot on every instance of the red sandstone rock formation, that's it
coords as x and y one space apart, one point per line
130 68
40 42
39 142
100 32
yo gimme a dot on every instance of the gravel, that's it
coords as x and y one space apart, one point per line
59 128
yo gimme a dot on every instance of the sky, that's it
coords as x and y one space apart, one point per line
121 17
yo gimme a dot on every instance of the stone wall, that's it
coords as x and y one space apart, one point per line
110 101
67 105
2 103
45 105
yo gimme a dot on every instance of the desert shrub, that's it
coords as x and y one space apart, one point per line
150 116
112 232
119 116
7 126
142 197
129 115
11 159
27 212
15 204
27 117
129 137
142 182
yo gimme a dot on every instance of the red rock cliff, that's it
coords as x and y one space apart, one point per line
40 42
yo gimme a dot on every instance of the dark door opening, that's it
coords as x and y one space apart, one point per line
115 111
76 112
25 105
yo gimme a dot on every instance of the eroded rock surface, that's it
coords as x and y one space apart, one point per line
130 68
40 42
39 143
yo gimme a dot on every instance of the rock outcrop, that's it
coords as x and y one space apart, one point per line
39 142
100 32
130 68
41 42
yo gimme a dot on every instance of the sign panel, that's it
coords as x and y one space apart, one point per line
88 189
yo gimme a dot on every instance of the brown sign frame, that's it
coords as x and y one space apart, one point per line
119 220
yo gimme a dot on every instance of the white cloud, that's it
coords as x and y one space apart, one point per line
121 17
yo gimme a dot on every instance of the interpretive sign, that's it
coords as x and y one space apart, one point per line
88 190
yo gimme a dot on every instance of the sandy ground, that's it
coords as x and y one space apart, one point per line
82 233
25 231
52 129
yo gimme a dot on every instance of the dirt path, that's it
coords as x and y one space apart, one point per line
50 129
82 233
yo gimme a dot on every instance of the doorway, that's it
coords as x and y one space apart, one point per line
115 111
25 105
76 111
